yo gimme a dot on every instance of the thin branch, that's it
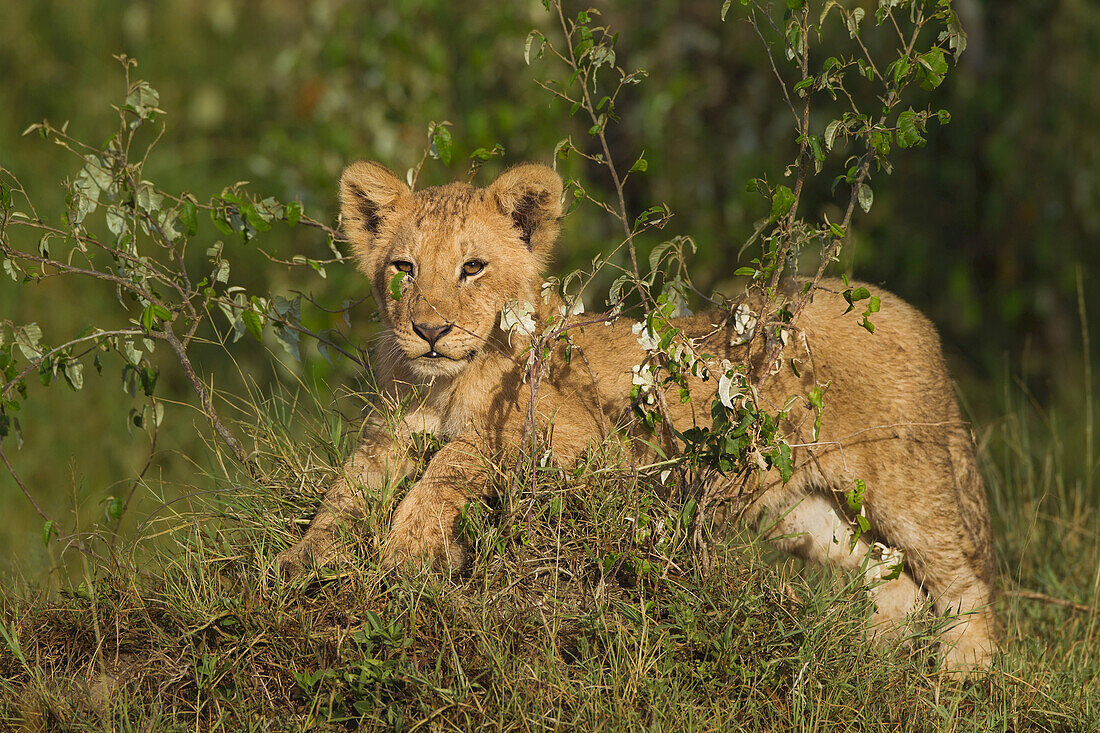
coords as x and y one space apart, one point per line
775 69
204 398
36 362
70 270
1031 595
22 486
137 479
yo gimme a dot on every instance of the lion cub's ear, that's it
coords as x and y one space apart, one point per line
531 195
368 191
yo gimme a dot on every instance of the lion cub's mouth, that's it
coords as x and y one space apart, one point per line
433 354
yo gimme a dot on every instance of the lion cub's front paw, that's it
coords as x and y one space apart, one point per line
310 552
408 550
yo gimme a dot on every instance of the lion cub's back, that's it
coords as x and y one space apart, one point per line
895 374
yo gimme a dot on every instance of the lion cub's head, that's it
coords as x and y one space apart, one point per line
464 252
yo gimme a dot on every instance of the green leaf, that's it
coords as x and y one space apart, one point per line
831 131
395 285
855 496
113 508
614 294
153 315
189 217
147 319
657 252
254 323
442 144
27 338
147 198
74 374
829 5
529 42
852 20
293 213
909 129
218 217
253 217
148 376
126 348
932 67
955 35
782 201
640 165
865 196
782 460
143 99
815 396
744 271
48 531
687 514
900 69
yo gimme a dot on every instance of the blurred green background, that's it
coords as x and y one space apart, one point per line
985 229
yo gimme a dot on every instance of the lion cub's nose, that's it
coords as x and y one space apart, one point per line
431 334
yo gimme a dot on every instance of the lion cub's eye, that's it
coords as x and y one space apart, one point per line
402 266
471 268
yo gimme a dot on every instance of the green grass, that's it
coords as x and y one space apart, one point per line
582 610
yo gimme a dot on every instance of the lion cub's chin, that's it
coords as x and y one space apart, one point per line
442 366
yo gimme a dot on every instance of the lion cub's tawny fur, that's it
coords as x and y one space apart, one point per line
890 417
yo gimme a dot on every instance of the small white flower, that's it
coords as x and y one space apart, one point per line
643 378
890 556
885 560
517 316
744 323
744 320
645 336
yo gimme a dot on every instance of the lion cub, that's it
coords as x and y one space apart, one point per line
891 419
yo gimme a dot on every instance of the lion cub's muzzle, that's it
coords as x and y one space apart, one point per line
432 334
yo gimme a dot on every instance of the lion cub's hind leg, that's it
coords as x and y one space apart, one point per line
952 573
812 528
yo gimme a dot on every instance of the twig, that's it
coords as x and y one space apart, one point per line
204 397
22 486
1031 595
36 362
137 480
